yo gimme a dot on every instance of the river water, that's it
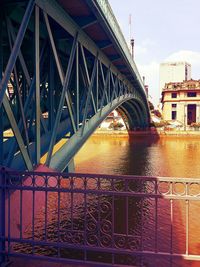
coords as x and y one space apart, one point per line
145 155
69 218
152 156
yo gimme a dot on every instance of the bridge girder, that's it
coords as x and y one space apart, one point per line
62 84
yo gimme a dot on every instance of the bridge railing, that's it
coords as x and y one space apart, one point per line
114 25
99 219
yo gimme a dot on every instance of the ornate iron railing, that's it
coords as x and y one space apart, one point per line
100 219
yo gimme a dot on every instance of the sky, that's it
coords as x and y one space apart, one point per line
163 31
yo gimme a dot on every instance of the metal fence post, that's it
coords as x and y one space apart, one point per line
2 215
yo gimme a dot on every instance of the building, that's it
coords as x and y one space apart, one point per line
112 118
174 72
181 101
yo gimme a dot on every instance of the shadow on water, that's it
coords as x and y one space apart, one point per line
132 222
102 222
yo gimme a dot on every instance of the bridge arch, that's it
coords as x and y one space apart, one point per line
62 76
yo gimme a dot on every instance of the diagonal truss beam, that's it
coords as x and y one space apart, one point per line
23 65
62 157
64 79
87 76
18 91
89 94
37 84
15 50
17 133
65 83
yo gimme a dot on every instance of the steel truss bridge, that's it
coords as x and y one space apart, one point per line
64 66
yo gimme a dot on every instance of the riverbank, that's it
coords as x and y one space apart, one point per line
153 132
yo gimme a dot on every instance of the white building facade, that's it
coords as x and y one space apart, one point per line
181 102
174 72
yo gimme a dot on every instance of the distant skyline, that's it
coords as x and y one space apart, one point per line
163 31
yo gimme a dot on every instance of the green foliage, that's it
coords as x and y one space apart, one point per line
160 124
151 106
195 124
157 113
115 125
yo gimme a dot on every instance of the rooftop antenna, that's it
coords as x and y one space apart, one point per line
130 36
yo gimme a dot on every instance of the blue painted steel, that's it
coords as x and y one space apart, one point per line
62 157
1 109
46 104
15 51
37 84
89 93
9 145
77 87
62 98
51 91
19 98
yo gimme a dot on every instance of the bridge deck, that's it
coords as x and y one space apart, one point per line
66 66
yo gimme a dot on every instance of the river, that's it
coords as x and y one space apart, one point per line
151 156
145 155
147 229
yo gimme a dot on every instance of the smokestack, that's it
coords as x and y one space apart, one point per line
143 78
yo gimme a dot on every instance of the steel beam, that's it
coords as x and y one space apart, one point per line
102 75
97 87
37 83
103 87
62 157
140 113
1 108
18 94
54 10
11 32
15 50
64 93
27 103
87 76
64 79
51 91
77 87
17 133
89 93
23 65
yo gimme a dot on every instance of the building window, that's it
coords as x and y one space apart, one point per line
173 115
191 94
173 105
174 95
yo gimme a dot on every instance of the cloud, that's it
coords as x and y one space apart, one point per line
144 47
151 73
140 50
148 42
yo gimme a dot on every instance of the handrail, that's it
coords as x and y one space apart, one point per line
114 25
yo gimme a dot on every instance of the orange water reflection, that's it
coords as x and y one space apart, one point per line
167 156
151 156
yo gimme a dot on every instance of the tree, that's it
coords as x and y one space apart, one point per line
151 106
157 113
